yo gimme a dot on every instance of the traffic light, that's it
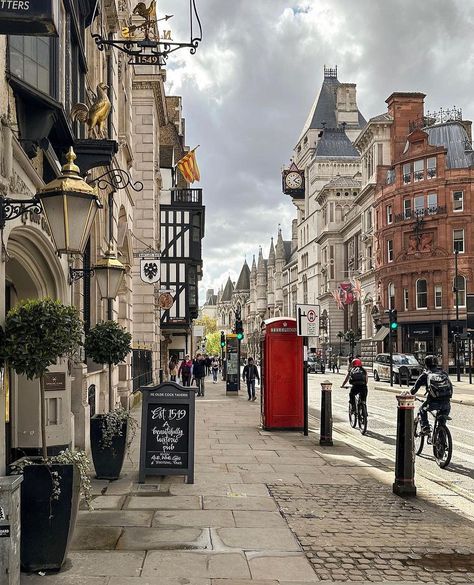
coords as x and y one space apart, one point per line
239 329
222 339
392 315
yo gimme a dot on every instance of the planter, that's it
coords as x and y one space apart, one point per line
47 524
108 460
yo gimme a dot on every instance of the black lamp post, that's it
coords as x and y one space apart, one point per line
340 335
456 335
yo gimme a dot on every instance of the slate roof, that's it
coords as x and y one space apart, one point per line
323 110
385 117
343 183
228 289
287 244
243 282
454 137
211 301
335 143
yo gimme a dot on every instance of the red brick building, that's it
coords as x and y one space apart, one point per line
424 209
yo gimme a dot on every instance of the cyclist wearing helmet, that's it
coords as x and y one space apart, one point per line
357 377
438 391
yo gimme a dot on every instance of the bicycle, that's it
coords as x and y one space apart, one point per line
358 415
439 437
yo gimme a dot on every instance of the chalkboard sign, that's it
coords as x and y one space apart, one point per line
167 434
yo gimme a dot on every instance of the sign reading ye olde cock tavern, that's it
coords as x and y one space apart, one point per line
29 17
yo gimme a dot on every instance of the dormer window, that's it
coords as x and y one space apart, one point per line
431 167
419 170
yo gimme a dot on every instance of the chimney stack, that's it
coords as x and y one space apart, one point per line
403 107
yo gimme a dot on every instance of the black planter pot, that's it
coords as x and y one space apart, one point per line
47 525
108 461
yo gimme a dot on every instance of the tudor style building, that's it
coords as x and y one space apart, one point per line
424 212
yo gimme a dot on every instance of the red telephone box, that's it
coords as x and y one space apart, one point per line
282 375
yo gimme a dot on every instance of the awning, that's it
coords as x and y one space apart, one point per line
381 334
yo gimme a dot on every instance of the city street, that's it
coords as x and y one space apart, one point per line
458 478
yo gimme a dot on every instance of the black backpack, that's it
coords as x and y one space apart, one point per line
357 377
439 385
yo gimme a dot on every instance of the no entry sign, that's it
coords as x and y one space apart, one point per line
308 320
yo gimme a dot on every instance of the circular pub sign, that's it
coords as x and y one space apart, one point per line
165 301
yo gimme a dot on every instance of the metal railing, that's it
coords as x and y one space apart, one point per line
186 196
417 213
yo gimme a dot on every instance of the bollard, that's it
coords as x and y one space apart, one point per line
404 484
325 435
161 376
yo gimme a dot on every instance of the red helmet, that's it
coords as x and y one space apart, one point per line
356 363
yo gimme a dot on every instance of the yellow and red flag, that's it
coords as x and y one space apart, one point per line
189 167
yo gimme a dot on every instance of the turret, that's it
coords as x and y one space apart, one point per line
271 280
280 261
261 285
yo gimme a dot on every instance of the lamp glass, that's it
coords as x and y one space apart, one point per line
109 280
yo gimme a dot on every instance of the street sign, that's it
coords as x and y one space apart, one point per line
308 320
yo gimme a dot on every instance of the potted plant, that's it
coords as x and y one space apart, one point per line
111 433
37 333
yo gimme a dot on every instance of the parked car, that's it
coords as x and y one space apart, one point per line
404 363
313 364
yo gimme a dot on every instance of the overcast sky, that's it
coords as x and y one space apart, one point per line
249 88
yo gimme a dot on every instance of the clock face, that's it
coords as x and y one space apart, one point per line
294 180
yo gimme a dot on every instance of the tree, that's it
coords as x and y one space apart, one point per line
210 325
213 341
37 333
108 343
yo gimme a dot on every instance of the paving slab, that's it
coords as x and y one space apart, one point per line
61 579
284 566
249 489
195 519
195 564
108 502
245 519
95 537
243 582
262 467
257 477
133 538
207 489
281 539
157 580
164 503
240 503
122 486
106 563
115 518
326 479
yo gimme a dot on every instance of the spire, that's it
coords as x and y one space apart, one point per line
271 254
261 263
280 247
243 282
228 290
254 266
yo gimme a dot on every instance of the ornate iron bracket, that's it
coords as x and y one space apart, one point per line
11 209
117 179
151 49
78 273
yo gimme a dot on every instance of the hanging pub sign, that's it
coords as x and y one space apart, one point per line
167 435
150 269
29 17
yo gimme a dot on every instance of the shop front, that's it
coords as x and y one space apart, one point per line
422 339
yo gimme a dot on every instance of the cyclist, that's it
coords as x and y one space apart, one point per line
438 391
357 376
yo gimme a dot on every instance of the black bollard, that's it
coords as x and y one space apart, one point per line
325 436
404 484
161 376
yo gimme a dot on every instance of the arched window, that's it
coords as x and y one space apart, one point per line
460 284
305 289
421 294
391 295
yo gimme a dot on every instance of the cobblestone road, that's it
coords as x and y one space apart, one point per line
365 533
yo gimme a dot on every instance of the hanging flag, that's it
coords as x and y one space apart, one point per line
189 167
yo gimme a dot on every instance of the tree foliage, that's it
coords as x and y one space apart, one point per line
213 343
210 325
38 332
108 343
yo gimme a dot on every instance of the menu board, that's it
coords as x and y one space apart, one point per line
167 433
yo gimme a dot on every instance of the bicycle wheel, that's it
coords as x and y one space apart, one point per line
353 415
362 417
442 446
419 438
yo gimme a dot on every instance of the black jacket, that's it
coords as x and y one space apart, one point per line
423 381
199 368
250 372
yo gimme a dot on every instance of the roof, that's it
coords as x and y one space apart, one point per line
343 183
454 137
323 110
211 301
228 289
385 117
243 282
287 245
335 143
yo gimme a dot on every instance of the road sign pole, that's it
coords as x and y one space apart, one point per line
305 385
469 348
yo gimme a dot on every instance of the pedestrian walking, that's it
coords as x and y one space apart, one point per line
208 363
249 375
199 373
184 371
173 368
215 369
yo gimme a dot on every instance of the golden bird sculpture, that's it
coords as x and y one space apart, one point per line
96 115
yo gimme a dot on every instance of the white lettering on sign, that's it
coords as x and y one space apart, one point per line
167 436
15 4
283 330
161 413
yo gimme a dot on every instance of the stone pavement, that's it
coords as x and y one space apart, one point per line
266 508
